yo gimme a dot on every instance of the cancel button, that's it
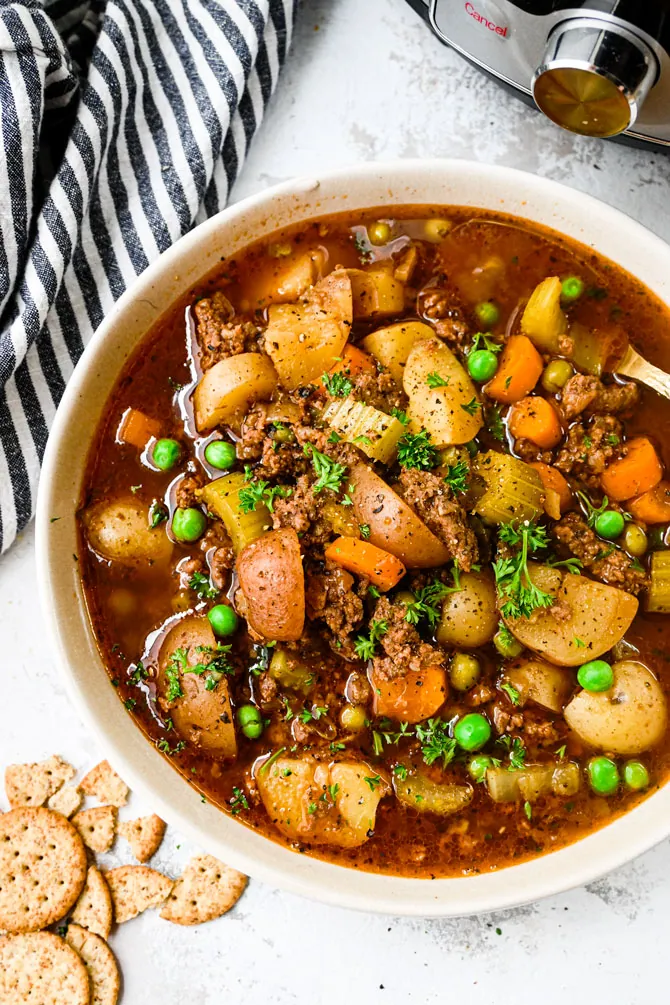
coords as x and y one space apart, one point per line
497 29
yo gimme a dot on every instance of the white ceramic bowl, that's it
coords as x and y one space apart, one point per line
402 182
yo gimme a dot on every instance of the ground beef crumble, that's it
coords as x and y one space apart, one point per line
584 393
403 647
589 449
440 304
219 333
330 597
431 499
600 558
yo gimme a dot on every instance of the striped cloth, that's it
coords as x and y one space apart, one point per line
124 122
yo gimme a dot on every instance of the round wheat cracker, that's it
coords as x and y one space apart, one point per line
41 968
100 962
42 868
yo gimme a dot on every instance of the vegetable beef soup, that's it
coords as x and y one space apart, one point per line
374 540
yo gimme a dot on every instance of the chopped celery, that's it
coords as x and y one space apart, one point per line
658 597
513 489
425 795
373 432
222 499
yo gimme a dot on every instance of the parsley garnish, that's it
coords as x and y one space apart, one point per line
457 477
365 530
471 406
488 343
511 693
158 514
165 747
129 704
519 594
401 416
202 586
329 473
365 647
374 592
428 597
434 380
528 810
516 752
436 744
257 490
416 451
612 439
337 385
373 781
561 752
495 424
176 665
400 771
579 643
238 801
313 714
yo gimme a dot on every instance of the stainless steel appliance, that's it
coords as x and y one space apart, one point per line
600 69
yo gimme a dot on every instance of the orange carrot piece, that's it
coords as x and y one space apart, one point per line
518 371
653 506
636 473
554 482
354 362
411 698
533 418
137 428
365 559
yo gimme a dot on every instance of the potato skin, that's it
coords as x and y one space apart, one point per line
201 717
440 411
469 617
545 684
600 617
227 390
393 525
629 718
273 584
119 530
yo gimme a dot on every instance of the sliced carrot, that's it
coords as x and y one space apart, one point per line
653 506
411 698
354 361
556 487
365 559
518 371
533 418
136 428
636 473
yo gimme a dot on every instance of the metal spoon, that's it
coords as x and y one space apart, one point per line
634 365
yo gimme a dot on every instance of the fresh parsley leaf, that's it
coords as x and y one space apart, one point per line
560 753
400 771
365 530
471 406
313 714
416 451
238 801
436 744
177 663
516 752
457 477
373 781
519 595
129 704
400 415
334 437
488 343
201 585
374 592
528 810
158 514
579 643
337 385
434 380
494 423
364 647
257 490
511 692
425 604
329 473
165 747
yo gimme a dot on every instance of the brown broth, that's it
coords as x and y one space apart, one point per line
127 605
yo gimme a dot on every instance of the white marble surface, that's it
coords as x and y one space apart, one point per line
372 83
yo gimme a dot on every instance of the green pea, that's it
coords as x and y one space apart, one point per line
472 448
220 454
379 233
487 314
506 644
571 289
482 364
249 718
223 619
635 775
188 524
603 775
635 540
556 375
478 766
610 524
353 717
595 676
464 671
165 454
472 731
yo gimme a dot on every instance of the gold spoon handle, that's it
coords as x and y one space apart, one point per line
634 365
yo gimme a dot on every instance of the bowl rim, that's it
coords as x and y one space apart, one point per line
583 861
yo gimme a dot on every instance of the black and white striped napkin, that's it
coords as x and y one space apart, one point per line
123 123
